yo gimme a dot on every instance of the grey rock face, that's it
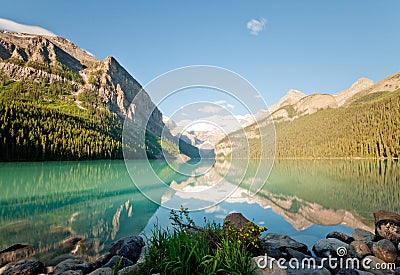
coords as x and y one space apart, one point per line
71 264
99 262
341 237
118 261
363 235
102 271
359 249
15 253
128 270
387 225
129 247
237 220
263 267
329 247
385 250
282 242
24 267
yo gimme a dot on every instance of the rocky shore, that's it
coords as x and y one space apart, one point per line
362 253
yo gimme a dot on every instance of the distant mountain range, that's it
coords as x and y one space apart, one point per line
58 102
360 122
296 104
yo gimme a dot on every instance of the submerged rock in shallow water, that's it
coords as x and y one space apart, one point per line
15 253
25 267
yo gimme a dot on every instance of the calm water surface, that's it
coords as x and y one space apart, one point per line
43 204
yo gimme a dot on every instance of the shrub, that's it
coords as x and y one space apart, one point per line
189 249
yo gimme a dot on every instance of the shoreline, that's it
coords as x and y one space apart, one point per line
128 255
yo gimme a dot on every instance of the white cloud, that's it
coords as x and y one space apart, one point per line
256 26
9 25
219 102
223 104
210 109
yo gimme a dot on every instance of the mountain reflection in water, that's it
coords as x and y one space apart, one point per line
44 204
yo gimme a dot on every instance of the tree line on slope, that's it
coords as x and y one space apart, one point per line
369 128
41 120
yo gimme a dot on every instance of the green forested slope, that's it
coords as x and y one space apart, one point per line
369 128
42 120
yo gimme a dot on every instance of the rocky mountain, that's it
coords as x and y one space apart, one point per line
51 74
296 104
358 86
361 121
291 97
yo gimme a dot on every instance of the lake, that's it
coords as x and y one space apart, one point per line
45 203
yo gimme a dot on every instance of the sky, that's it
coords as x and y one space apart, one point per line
313 46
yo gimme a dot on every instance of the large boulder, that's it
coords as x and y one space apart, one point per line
277 245
236 220
330 247
15 253
100 261
102 271
341 237
363 235
385 250
373 264
72 264
128 270
24 267
118 262
359 249
129 247
265 266
387 225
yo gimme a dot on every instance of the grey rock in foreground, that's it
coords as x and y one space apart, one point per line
102 271
329 247
129 247
237 220
359 249
71 264
363 235
24 267
385 250
128 270
15 253
277 245
340 236
387 225
118 261
264 266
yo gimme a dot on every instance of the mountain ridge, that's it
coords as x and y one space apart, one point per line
366 125
52 72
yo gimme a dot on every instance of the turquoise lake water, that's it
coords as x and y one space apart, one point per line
45 203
